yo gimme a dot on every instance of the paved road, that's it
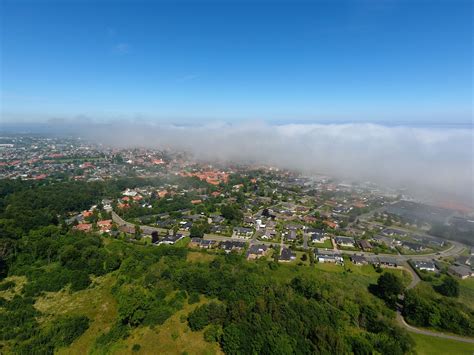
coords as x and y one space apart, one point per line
430 333
415 280
455 249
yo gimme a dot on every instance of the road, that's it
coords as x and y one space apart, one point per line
415 280
455 249
412 329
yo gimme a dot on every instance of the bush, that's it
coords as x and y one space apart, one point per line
66 329
193 298
449 287
213 333
7 285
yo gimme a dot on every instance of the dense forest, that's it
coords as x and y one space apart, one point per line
246 308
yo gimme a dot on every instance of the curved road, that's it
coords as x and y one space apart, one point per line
412 329
415 280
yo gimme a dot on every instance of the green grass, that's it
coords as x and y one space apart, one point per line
327 244
466 292
183 242
427 345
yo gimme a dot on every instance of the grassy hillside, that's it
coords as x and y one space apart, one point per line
427 345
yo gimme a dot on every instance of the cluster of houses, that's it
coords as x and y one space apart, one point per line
396 238
463 266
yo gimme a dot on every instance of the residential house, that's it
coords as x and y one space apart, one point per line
364 245
105 226
328 256
287 255
242 232
425 265
231 245
171 239
394 232
384 261
460 271
359 259
413 246
257 251
345 241
84 227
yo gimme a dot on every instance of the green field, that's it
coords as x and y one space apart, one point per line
427 345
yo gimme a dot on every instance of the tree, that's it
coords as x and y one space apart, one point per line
388 287
138 232
449 287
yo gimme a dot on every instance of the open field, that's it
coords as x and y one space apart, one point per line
427 345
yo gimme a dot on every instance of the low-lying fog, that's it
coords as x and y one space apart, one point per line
432 161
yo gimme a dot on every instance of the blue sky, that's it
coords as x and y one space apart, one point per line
367 60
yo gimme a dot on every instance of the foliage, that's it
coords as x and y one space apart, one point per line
389 286
449 287
441 313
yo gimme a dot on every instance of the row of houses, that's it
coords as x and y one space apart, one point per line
334 256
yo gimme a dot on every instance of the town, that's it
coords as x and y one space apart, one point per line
262 211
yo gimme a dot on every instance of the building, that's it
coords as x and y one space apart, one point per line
460 271
171 239
394 232
287 255
231 245
105 226
348 242
364 245
359 259
243 232
84 227
384 261
257 251
413 246
425 265
202 243
328 256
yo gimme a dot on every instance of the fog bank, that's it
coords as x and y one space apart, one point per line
435 162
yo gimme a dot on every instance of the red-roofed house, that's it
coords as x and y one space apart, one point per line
105 226
85 227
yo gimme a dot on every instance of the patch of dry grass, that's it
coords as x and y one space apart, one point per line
198 257
19 281
173 337
96 302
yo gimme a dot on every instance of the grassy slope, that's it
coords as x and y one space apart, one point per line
173 337
96 302
426 345
466 295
